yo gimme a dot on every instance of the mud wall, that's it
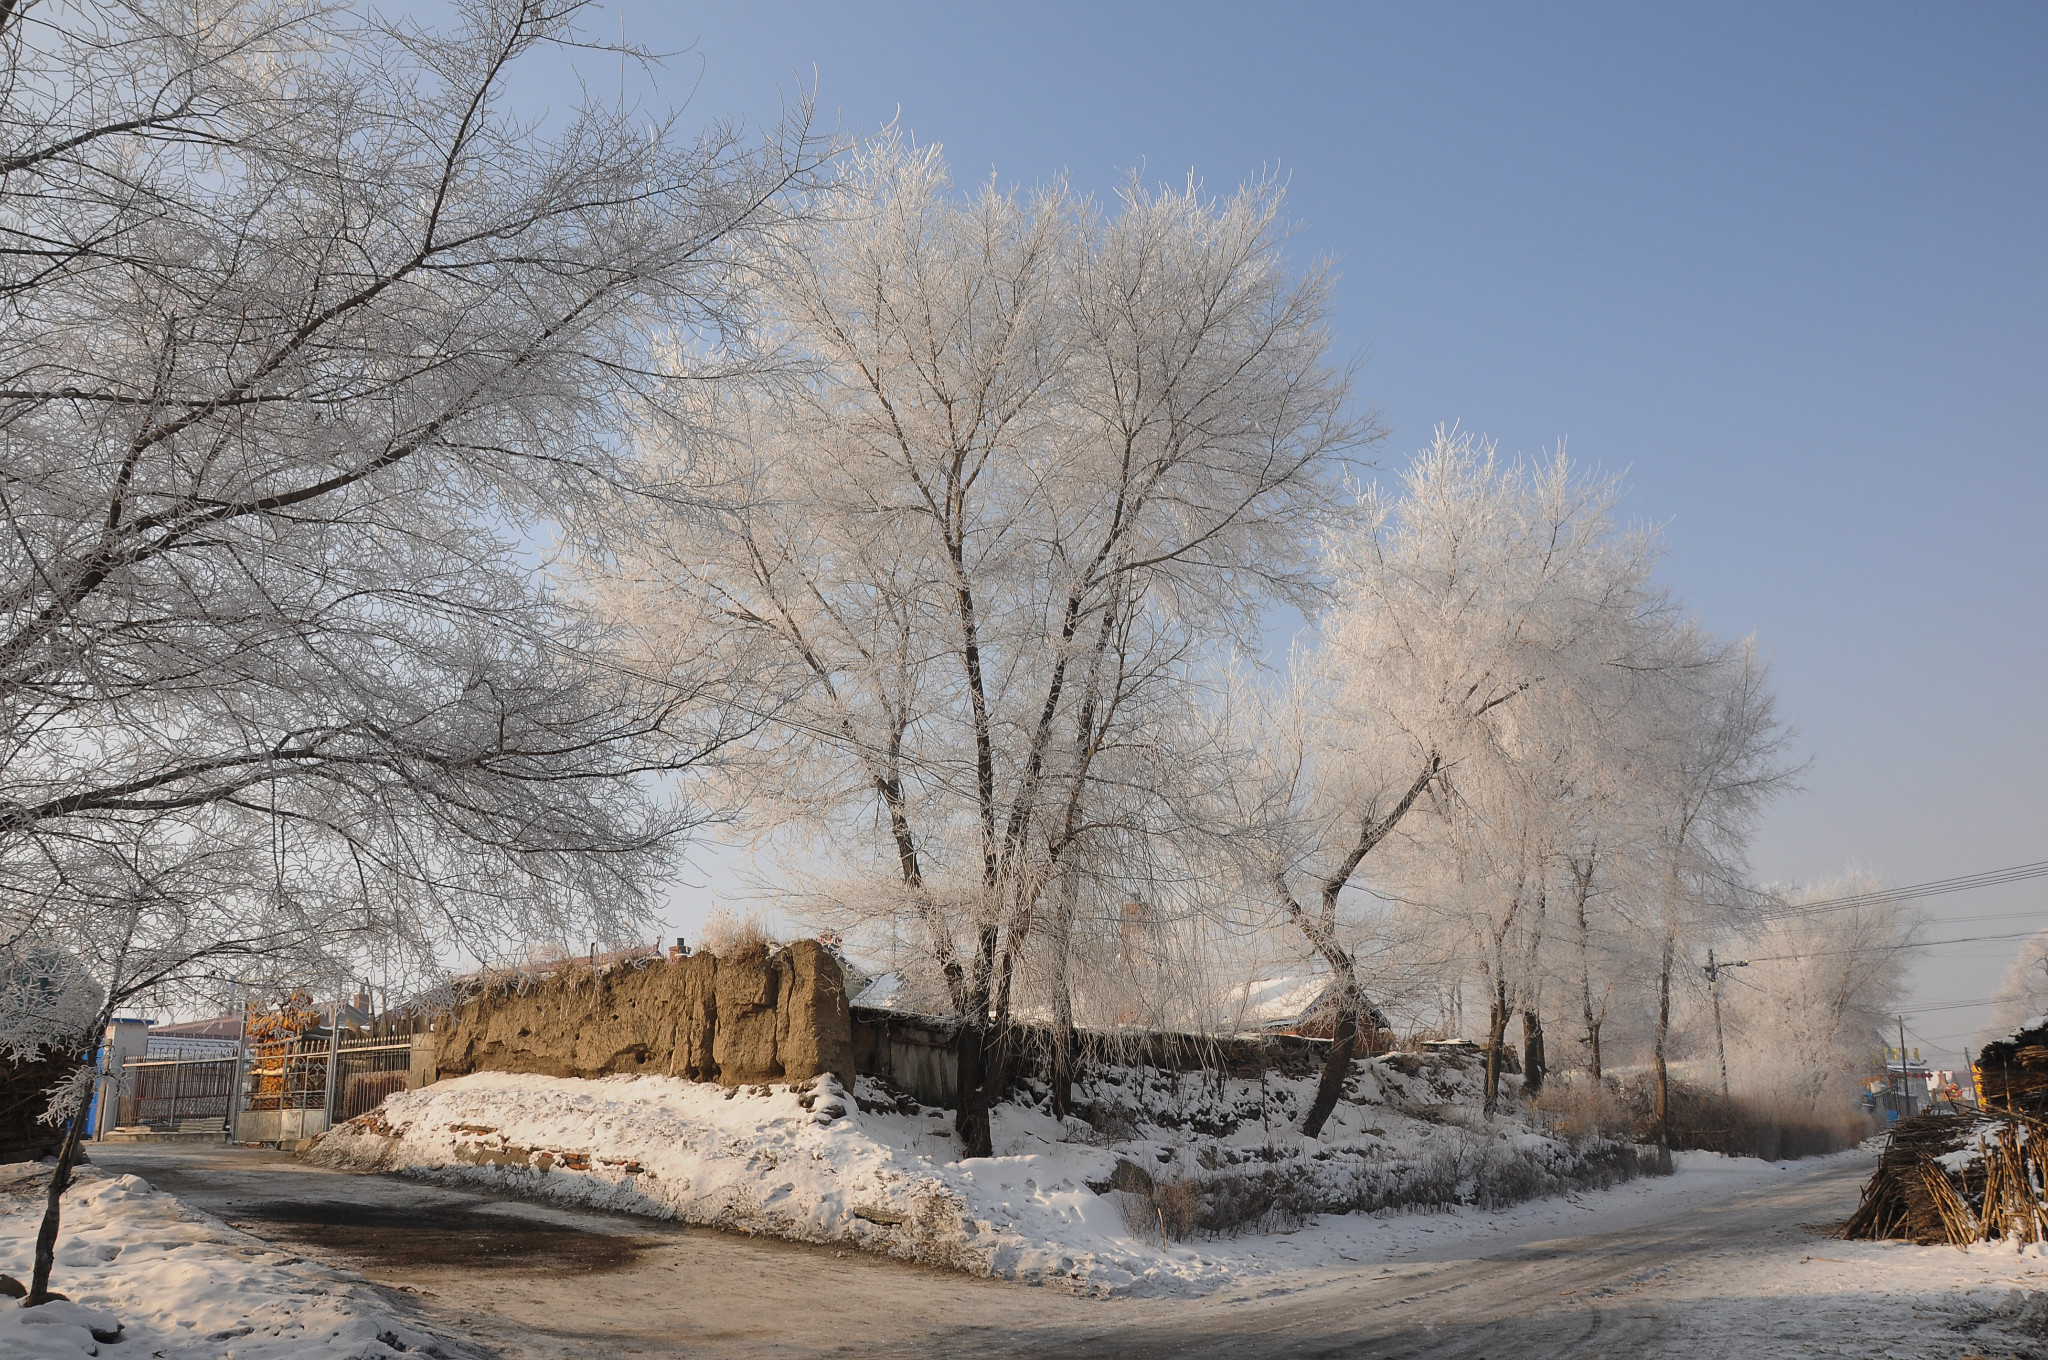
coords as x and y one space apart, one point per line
917 1053
913 1053
756 1017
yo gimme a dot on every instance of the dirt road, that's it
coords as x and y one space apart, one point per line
530 1282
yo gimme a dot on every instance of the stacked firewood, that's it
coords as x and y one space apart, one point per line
1959 1178
2012 1074
1970 1175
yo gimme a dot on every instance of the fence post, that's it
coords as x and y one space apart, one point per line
177 1074
333 1058
234 1122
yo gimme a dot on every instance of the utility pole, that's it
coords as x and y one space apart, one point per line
1905 1082
1713 971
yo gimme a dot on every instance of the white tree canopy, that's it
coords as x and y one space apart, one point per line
305 340
1029 462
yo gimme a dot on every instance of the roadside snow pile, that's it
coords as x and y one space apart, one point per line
152 1278
1088 1205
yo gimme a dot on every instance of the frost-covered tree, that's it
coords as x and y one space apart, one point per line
306 342
1030 461
1461 670
1709 759
1320 792
2023 992
1824 964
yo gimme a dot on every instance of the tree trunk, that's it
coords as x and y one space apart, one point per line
1065 1068
1592 1038
971 1121
1065 1041
977 1051
60 1181
1534 1065
1496 1034
1663 1072
1336 1069
1322 934
1064 1037
1582 876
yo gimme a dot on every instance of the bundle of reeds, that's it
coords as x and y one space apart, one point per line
2011 1198
1900 1199
1923 1193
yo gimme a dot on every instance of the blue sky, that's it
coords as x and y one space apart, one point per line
1784 264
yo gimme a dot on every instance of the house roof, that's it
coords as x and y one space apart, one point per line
220 1027
1274 1002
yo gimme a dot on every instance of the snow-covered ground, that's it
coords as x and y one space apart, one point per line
155 1279
1853 1299
873 1170
1724 1257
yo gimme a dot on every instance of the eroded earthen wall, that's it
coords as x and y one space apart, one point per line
756 1017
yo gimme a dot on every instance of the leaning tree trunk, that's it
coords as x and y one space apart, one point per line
1322 934
1336 1065
1583 884
60 1181
1533 1063
1663 1072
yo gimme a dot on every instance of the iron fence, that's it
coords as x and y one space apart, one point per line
286 1074
168 1092
294 1088
366 1071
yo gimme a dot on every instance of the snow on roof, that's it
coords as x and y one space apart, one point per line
220 1027
880 991
1266 1002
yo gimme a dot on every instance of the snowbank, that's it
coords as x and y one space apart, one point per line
171 1283
1087 1206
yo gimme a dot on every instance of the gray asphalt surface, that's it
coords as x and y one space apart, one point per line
533 1282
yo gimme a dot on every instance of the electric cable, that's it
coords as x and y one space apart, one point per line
2018 873
1892 948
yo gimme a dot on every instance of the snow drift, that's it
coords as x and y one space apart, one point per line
146 1276
1090 1205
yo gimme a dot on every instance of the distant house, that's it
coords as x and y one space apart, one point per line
1302 1003
1299 1003
879 993
213 1038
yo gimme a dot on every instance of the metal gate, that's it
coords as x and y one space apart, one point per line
166 1093
296 1088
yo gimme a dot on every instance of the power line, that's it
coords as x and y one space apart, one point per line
1875 949
2018 873
2034 915
1931 1007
